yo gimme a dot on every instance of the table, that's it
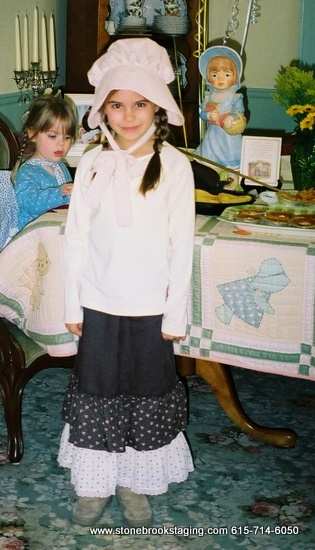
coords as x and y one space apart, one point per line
251 305
270 276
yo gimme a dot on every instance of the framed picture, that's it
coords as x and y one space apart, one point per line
81 104
261 159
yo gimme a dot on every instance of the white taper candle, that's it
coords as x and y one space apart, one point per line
18 57
52 45
26 61
35 36
44 44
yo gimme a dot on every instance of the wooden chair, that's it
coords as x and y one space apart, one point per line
20 359
8 147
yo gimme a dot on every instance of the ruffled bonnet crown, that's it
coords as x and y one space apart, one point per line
139 65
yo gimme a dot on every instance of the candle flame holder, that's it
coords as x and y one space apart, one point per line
34 78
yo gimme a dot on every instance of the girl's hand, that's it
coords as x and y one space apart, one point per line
170 337
67 189
75 328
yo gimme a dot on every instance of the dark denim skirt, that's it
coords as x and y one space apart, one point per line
124 355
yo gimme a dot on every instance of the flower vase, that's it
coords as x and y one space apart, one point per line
303 161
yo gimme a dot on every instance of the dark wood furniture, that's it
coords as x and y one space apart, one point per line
20 359
8 147
87 39
220 379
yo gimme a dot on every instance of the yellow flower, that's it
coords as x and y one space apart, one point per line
295 110
309 108
298 112
308 122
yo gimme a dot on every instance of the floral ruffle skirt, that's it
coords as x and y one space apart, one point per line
112 424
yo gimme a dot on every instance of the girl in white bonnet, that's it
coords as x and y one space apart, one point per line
128 250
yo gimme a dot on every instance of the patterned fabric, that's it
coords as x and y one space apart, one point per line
32 285
283 343
249 298
252 299
8 209
60 174
97 473
37 190
113 424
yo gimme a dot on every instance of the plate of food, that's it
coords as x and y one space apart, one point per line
214 204
271 219
305 197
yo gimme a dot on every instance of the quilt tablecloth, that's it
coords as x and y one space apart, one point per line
252 300
31 284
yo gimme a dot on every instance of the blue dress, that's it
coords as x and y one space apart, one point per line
8 209
37 190
217 145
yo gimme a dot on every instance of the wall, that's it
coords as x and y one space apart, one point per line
283 33
9 108
270 43
273 42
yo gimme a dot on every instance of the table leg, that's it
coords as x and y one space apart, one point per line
220 379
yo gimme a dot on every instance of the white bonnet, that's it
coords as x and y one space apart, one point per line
139 65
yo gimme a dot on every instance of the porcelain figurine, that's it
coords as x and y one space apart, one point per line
222 109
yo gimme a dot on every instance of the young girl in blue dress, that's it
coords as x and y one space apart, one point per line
43 181
127 259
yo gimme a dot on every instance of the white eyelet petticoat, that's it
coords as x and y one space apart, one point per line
97 473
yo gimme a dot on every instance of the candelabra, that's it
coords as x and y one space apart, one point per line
36 79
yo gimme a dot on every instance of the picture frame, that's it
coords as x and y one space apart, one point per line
260 159
81 104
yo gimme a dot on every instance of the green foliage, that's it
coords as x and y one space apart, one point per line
296 93
294 86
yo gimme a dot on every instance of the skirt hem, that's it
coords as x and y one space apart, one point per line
97 473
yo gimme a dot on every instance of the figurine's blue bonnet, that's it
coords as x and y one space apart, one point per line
225 51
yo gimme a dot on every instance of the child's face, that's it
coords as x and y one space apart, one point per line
129 115
221 80
51 145
221 73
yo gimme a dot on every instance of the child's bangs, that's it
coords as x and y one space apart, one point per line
221 63
68 128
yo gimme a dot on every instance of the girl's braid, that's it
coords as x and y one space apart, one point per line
162 130
153 172
20 156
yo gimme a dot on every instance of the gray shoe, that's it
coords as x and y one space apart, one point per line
88 510
135 508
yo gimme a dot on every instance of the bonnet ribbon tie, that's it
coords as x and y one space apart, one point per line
113 166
